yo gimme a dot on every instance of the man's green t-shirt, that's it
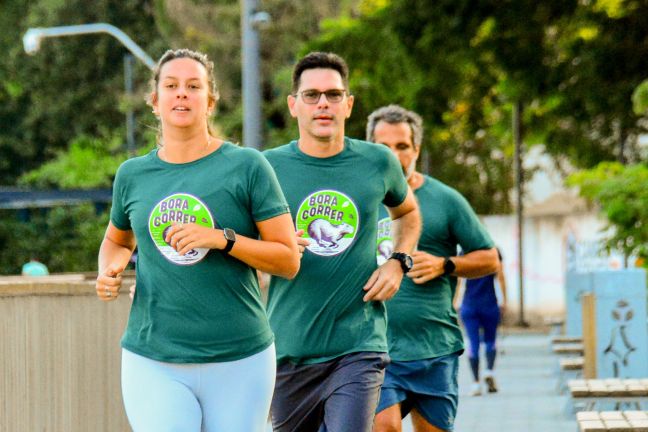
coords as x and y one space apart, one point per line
422 321
320 315
204 306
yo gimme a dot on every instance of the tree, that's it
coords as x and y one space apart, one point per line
425 64
462 64
74 85
599 56
622 194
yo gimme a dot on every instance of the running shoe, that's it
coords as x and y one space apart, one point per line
489 379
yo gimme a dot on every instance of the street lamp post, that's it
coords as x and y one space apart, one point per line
519 182
32 41
33 37
250 20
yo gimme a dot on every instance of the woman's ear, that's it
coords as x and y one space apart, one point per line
153 102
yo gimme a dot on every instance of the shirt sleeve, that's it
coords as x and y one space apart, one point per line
467 228
118 216
395 182
267 198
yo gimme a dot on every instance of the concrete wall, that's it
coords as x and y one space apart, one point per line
60 356
544 254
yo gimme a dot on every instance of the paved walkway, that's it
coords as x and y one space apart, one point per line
527 400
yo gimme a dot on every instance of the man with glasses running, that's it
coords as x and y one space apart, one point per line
329 321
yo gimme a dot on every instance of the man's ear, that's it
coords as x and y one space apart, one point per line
291 100
349 103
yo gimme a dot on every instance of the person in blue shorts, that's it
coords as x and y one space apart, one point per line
423 334
480 314
198 353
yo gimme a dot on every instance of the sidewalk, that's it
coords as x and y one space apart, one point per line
527 400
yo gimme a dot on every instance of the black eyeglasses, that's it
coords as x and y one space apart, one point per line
313 96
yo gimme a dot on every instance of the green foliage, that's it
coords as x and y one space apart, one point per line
405 53
622 193
88 163
640 99
66 239
575 65
73 86
62 115
462 64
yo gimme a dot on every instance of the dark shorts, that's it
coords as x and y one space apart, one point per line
430 386
339 395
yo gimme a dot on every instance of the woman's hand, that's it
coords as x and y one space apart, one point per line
109 282
185 237
301 243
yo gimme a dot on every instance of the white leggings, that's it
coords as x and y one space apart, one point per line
230 396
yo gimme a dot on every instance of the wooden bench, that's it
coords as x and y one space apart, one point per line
556 340
570 368
617 421
573 349
618 391
572 364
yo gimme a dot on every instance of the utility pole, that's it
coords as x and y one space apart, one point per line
130 114
519 183
250 20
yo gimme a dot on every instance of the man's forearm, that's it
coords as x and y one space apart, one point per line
406 231
476 264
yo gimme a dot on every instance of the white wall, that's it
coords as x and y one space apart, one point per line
544 255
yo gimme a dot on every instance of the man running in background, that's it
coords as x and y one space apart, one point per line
424 337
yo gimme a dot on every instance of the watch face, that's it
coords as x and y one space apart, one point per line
409 262
229 234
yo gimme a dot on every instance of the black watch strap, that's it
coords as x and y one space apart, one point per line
448 266
230 236
404 260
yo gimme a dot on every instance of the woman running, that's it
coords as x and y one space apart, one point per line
480 313
198 353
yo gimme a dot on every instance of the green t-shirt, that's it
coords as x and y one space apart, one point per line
320 315
384 239
204 306
422 322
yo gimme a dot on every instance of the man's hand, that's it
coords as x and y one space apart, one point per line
108 283
384 282
426 267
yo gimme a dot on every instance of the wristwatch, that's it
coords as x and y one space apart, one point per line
404 259
230 236
448 266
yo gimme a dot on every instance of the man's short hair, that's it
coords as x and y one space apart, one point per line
394 114
320 60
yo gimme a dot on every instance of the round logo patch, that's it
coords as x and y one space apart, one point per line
384 242
179 208
330 220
